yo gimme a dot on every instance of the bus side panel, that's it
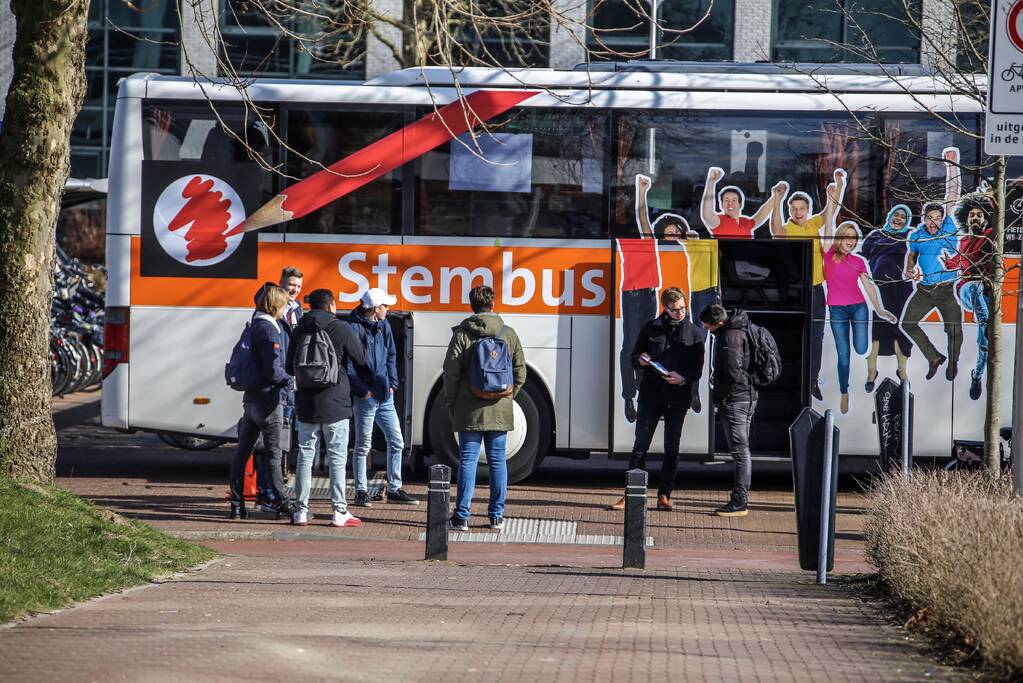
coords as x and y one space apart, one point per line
587 417
123 202
178 356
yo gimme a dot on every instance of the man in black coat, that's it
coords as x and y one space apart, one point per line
735 397
324 412
669 353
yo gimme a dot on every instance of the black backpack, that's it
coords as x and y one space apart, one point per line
765 360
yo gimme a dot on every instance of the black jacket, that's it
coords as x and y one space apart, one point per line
330 404
676 346
268 349
732 355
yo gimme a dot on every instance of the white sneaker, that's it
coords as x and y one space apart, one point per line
300 519
343 519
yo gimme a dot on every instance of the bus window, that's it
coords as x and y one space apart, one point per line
536 173
320 138
753 152
910 165
174 132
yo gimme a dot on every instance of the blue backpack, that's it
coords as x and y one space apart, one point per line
242 371
491 373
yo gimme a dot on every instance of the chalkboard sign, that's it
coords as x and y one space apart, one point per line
888 416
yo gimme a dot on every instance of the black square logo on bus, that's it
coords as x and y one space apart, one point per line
191 213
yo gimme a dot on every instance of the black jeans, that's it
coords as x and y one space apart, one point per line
258 420
639 306
818 310
653 405
736 419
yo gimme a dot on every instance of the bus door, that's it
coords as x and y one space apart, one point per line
402 328
771 281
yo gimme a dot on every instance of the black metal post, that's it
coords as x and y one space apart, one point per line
437 501
634 545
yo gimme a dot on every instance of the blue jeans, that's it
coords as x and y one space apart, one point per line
336 436
844 319
368 411
975 300
468 458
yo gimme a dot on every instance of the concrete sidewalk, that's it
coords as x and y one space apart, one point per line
314 611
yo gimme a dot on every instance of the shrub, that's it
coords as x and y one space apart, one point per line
952 544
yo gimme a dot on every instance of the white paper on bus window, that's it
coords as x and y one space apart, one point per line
593 176
749 155
937 142
506 164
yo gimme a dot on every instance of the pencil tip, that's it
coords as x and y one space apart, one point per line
271 213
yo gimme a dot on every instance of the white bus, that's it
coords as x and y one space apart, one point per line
575 183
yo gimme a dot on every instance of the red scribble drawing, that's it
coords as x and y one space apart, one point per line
206 215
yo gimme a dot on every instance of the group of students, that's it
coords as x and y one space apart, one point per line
363 386
360 380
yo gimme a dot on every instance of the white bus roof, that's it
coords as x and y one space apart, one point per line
717 88
684 76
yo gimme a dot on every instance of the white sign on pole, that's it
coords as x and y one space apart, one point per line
1004 121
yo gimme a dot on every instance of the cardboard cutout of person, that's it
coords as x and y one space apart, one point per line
847 280
974 259
804 224
640 280
885 250
929 245
729 222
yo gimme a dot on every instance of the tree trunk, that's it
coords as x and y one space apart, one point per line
42 102
992 408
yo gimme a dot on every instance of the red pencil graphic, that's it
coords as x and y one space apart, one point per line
382 156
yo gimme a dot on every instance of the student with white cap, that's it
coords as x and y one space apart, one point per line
373 390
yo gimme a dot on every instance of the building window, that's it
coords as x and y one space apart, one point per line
310 46
846 31
619 31
494 43
124 38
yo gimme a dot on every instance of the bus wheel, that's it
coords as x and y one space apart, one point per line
525 446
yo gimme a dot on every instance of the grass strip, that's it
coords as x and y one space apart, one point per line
57 549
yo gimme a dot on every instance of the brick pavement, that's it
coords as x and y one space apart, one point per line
721 600
305 616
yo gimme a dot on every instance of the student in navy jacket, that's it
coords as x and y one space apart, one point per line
373 393
262 404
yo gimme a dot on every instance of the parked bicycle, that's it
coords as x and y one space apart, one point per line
76 328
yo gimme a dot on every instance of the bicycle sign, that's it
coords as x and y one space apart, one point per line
1004 119
1013 72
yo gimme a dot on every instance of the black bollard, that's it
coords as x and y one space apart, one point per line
438 498
634 546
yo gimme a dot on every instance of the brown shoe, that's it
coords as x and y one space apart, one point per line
664 503
620 505
932 368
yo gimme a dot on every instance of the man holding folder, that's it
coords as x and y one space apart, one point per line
669 353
